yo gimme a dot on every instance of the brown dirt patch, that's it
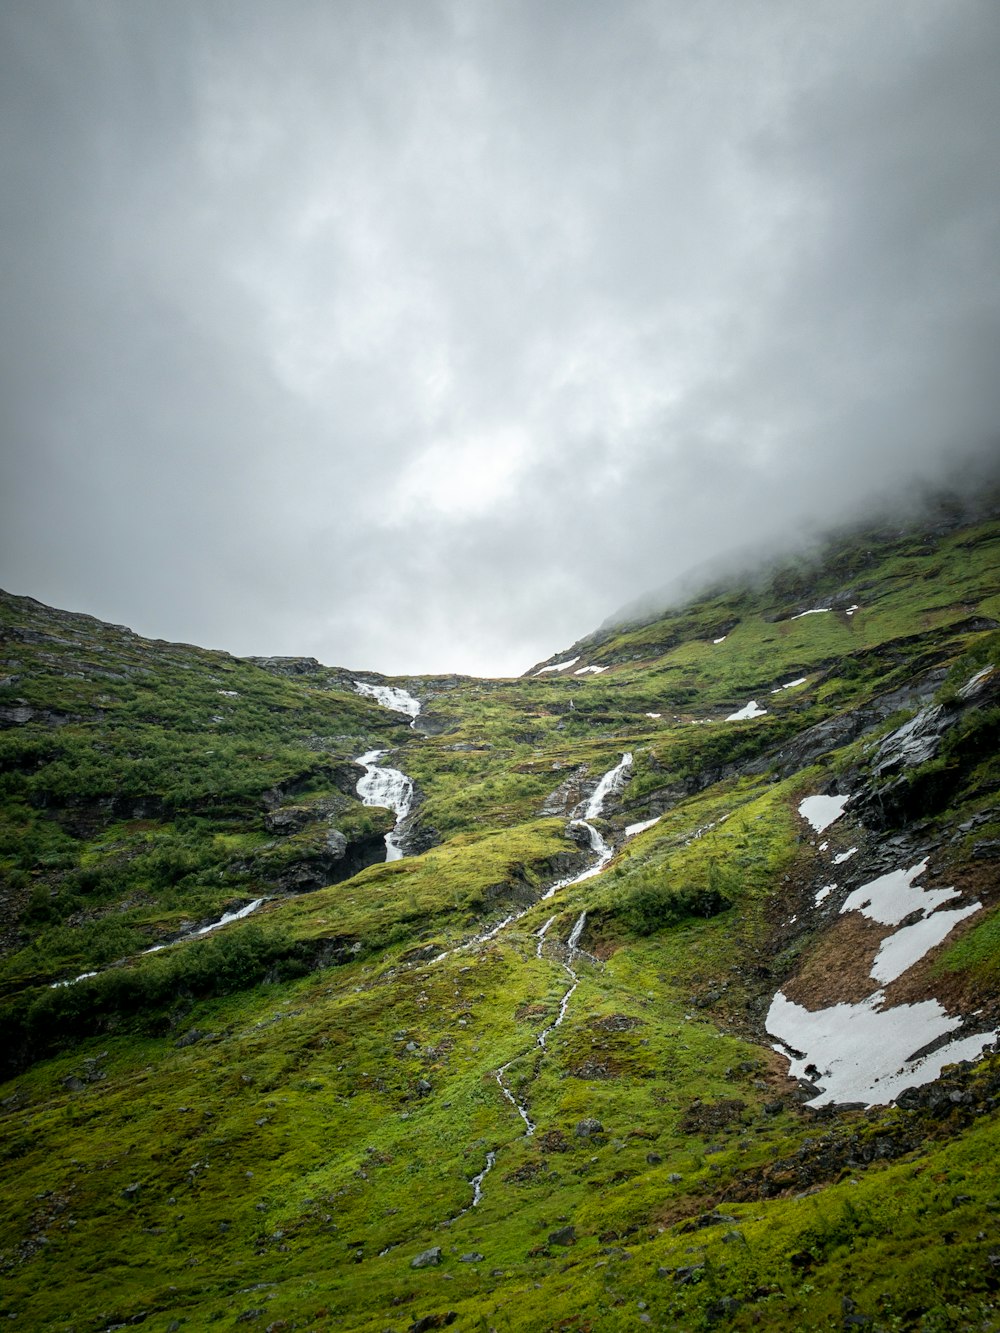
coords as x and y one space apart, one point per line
838 971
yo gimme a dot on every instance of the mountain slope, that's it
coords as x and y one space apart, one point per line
524 1077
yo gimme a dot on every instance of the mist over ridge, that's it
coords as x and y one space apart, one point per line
422 338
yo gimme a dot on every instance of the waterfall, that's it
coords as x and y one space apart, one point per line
388 788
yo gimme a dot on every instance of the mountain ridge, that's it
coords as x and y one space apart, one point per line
535 1073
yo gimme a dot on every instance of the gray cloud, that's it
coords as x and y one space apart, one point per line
422 337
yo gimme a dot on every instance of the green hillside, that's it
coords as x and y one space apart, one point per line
428 1092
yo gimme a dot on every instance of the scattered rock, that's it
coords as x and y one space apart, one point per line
426 1258
586 1129
430 1321
564 1236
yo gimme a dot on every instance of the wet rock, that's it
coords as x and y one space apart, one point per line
586 1129
564 1236
73 1084
472 1258
773 1108
427 1258
987 850
653 1158
424 1088
131 1191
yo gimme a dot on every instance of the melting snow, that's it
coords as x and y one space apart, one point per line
791 684
823 893
900 951
654 715
752 709
558 666
722 640
821 811
864 1053
816 611
632 829
844 856
851 610
582 671
891 898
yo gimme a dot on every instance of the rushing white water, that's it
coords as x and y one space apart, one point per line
388 788
529 1124
71 981
223 920
611 783
477 1181
576 932
571 947
540 936
390 696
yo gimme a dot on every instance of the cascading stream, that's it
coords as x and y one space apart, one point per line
611 782
388 788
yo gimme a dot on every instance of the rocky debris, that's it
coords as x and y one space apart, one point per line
473 1257
431 1321
701 1116
427 1258
712 1219
567 795
588 1128
616 1023
564 1236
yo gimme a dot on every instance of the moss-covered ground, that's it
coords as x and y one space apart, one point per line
266 1126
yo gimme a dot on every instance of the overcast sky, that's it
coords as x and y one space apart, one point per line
420 336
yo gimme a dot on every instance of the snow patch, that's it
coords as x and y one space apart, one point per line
823 893
722 640
864 1053
752 709
654 715
582 671
844 856
632 829
791 684
816 611
821 811
558 666
907 946
893 897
